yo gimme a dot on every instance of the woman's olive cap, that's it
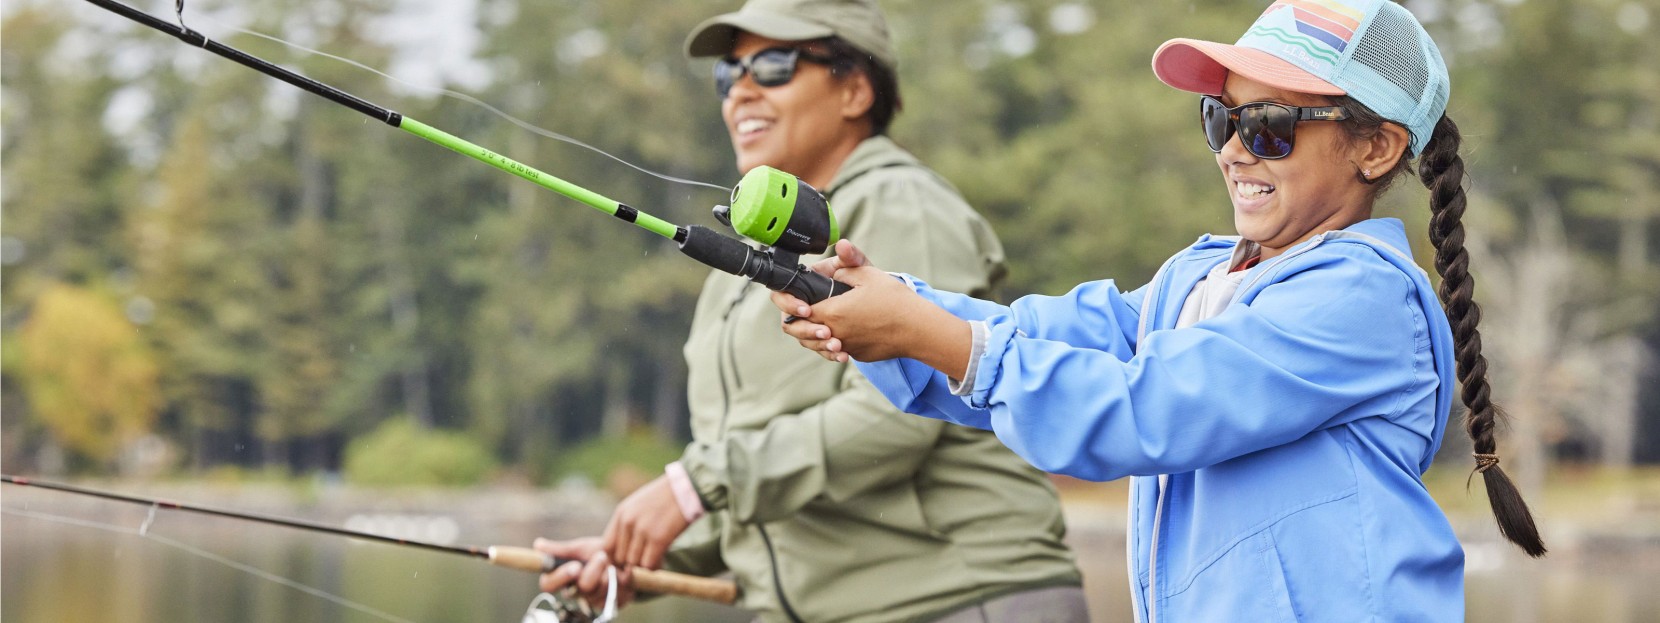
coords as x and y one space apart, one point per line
859 22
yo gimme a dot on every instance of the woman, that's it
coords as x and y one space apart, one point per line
801 480
1276 395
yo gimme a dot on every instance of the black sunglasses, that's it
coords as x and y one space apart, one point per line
771 67
1265 128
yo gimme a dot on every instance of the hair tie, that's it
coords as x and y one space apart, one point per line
1483 462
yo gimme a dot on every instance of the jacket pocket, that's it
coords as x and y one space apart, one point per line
1245 584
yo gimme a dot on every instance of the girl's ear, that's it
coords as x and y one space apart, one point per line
1380 153
857 96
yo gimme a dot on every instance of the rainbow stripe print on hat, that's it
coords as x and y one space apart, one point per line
1320 28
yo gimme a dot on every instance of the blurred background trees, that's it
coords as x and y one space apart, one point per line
198 254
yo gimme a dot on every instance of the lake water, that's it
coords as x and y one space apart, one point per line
53 572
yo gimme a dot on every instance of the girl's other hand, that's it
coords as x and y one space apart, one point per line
812 335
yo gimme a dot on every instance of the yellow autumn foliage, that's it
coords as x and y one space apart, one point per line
87 373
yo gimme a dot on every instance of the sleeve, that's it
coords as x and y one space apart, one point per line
697 551
1094 315
854 441
851 443
1329 344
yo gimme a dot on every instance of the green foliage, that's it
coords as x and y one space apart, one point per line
91 380
596 459
401 453
314 274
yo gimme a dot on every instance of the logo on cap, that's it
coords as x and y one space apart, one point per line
1323 27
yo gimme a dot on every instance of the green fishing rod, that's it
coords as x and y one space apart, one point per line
769 206
521 558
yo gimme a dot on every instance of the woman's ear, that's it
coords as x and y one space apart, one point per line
857 96
1379 154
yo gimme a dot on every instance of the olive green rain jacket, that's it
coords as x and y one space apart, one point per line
825 502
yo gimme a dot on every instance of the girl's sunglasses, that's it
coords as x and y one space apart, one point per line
1265 128
771 67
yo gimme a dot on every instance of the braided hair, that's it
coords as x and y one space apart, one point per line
1441 170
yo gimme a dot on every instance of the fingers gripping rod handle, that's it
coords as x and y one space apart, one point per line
733 256
647 580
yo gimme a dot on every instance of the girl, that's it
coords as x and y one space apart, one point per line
1276 395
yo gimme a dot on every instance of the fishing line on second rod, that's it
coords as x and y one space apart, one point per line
145 533
545 608
521 123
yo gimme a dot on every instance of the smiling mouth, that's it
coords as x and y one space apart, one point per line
1248 190
752 126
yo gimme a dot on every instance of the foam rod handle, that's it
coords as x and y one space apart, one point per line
645 580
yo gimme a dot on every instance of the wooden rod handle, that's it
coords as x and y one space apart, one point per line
671 583
645 580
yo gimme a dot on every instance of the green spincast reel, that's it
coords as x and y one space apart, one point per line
779 210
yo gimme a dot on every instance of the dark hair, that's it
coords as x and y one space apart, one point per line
884 83
1442 171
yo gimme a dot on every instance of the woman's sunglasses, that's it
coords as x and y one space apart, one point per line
1265 128
771 67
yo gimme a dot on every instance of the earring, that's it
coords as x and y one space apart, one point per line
1366 173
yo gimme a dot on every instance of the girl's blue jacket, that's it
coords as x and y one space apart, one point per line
1276 449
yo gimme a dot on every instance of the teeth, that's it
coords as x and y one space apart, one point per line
1248 190
753 125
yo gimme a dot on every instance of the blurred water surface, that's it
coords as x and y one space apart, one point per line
55 572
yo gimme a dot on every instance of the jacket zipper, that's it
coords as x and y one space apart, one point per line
1153 556
728 355
1164 479
1148 308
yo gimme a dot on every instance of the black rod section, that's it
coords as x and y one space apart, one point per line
281 521
200 40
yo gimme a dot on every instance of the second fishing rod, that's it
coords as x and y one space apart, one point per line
521 558
768 206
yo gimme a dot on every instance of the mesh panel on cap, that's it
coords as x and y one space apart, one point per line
1390 47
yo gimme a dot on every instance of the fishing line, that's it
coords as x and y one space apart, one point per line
189 549
526 125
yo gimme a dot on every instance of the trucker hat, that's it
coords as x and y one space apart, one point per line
1374 51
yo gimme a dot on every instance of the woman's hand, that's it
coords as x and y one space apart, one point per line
585 571
881 318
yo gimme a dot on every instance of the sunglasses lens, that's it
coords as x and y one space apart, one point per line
769 68
1266 130
773 68
1214 117
727 73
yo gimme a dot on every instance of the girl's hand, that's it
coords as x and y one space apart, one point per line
881 318
813 336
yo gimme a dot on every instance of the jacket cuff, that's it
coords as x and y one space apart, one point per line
691 506
977 347
1000 332
705 466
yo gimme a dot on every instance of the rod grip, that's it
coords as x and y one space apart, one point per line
671 583
645 580
521 558
813 287
733 256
